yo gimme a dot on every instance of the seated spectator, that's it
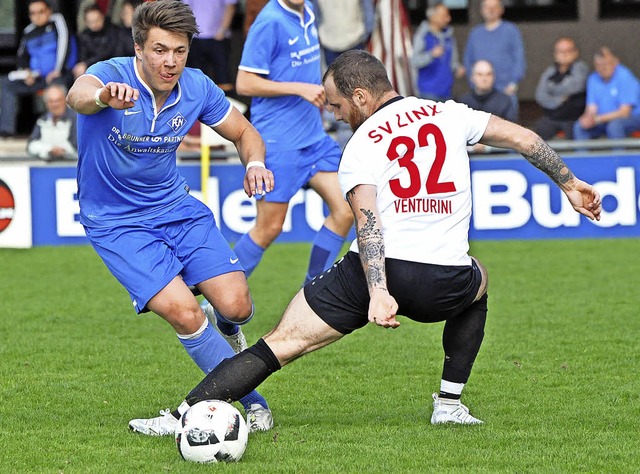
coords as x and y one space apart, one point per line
54 136
613 100
125 36
111 10
561 90
435 55
484 96
46 54
97 42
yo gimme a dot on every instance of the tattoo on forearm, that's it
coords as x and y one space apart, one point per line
371 245
543 157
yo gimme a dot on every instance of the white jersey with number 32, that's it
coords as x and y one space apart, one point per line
415 152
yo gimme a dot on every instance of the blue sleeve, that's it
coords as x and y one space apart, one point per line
106 71
629 90
217 107
469 53
369 11
519 61
592 84
259 46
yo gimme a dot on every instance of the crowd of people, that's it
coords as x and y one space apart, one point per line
574 101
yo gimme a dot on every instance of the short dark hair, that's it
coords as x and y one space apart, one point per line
46 2
171 15
92 7
358 69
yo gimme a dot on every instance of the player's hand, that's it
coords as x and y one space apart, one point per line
585 199
382 309
258 180
118 95
313 93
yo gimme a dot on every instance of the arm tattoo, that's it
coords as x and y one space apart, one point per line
371 245
543 157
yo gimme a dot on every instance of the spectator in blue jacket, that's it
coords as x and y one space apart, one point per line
46 54
613 100
500 43
435 55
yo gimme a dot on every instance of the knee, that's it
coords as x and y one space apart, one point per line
267 232
188 320
615 129
236 308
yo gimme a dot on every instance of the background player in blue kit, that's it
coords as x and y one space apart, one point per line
280 69
154 237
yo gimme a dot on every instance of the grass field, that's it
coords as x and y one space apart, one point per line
556 380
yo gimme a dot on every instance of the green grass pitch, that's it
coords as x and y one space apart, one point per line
556 380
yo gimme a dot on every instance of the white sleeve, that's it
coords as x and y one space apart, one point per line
356 167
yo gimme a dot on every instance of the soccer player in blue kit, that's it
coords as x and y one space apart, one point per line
136 209
280 69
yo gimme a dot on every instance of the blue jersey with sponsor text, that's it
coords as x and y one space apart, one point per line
127 158
283 46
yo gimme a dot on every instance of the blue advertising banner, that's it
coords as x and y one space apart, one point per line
512 200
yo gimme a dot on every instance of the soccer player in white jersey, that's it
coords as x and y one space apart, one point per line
405 174
136 209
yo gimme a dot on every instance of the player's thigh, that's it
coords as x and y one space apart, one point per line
326 184
484 283
299 331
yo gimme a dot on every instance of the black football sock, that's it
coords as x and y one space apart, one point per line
461 341
234 378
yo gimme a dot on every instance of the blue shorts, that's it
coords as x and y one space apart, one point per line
293 169
145 256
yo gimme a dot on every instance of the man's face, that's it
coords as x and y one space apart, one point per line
55 102
162 59
605 66
441 17
39 13
491 10
94 20
482 77
344 110
565 53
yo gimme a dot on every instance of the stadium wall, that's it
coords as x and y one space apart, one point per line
512 200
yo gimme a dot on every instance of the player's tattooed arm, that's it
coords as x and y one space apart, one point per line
370 242
543 157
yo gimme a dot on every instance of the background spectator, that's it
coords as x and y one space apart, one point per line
125 37
613 100
97 42
435 55
46 54
54 136
209 50
484 96
500 43
109 8
561 90
343 25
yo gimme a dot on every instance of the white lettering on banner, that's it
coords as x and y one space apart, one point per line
542 213
67 208
484 200
238 212
314 210
624 192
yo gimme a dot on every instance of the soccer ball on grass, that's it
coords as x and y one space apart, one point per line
212 431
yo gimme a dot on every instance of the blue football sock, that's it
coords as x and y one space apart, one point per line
326 246
208 348
249 253
224 326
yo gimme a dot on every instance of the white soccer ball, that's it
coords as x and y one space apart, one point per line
212 431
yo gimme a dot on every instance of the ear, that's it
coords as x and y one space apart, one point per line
359 97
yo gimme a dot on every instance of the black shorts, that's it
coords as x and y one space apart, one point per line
425 293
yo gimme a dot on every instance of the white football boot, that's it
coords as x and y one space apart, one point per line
259 418
163 425
451 411
237 341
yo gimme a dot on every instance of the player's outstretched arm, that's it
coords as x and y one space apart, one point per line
254 85
584 198
382 307
237 129
88 96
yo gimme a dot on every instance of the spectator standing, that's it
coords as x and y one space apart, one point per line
125 38
46 54
613 100
500 43
97 42
561 90
435 55
110 9
54 136
210 48
280 69
343 25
